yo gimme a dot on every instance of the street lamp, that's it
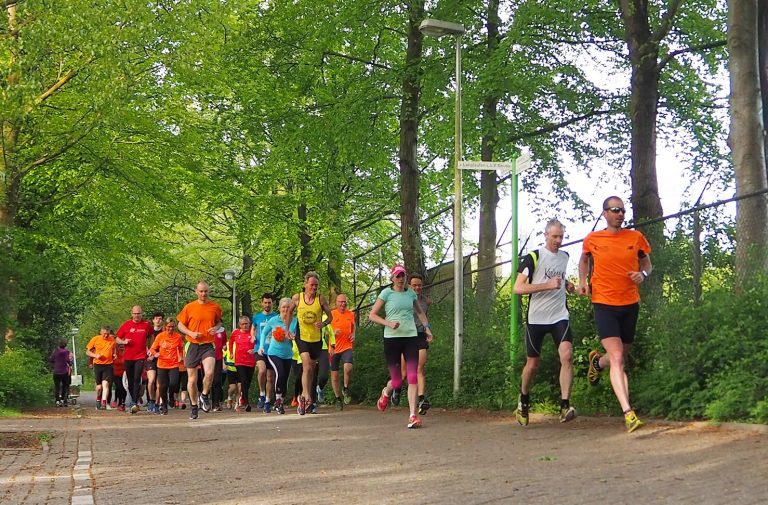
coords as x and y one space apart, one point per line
230 275
437 28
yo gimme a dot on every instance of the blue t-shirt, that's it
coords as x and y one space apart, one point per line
398 306
271 346
259 321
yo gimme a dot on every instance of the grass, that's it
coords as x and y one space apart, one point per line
9 412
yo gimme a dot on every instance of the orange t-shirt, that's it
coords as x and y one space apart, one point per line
171 349
345 324
103 346
200 317
614 255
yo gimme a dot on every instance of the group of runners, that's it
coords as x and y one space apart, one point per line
188 359
192 354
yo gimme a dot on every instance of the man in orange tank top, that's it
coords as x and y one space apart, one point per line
620 263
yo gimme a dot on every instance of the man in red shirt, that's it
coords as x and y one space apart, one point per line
134 334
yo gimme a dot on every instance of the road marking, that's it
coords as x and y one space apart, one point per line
83 492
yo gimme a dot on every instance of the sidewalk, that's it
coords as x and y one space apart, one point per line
362 456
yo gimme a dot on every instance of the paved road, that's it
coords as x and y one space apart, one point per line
362 456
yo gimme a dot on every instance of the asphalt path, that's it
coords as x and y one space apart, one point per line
362 456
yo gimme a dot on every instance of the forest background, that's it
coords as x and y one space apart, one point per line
146 145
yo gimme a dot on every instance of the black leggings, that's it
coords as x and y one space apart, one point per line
168 379
281 367
323 369
120 392
244 378
216 392
134 369
298 370
61 383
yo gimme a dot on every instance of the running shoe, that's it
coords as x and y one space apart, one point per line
205 403
320 395
346 396
183 405
193 413
279 408
312 408
339 402
248 407
260 403
301 409
267 407
568 414
134 408
396 397
114 405
294 402
414 422
593 372
98 405
121 408
424 406
107 406
217 407
631 421
176 404
521 414
164 411
383 400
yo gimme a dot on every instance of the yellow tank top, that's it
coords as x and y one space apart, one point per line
308 315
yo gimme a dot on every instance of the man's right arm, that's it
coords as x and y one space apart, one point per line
583 288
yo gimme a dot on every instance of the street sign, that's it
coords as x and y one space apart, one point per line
523 163
499 166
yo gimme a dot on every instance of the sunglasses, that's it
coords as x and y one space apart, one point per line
401 274
616 210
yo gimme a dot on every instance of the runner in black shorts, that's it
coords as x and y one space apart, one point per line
617 261
541 276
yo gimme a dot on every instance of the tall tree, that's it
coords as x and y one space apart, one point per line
746 140
413 252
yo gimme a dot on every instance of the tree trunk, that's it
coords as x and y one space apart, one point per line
746 140
335 264
489 195
413 251
304 239
246 297
643 111
762 46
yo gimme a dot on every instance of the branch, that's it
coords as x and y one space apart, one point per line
694 49
667 20
556 126
50 157
355 58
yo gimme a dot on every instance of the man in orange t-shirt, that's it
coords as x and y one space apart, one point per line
343 324
102 349
620 263
199 321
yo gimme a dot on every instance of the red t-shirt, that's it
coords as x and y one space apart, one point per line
239 345
219 339
137 333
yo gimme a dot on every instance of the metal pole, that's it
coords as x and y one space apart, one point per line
74 349
234 304
458 256
513 299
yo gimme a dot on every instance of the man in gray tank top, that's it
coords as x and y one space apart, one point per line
541 276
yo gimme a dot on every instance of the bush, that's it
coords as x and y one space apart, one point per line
24 381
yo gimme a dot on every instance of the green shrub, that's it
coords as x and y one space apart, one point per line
24 381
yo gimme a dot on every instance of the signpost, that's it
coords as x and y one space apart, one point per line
516 167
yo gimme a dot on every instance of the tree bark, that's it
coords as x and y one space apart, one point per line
489 195
762 47
746 140
246 297
410 177
643 47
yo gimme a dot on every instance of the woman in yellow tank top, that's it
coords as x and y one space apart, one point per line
311 306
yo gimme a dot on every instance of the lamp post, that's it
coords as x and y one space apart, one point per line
74 349
229 275
438 28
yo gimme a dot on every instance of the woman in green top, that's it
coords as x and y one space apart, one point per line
400 338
